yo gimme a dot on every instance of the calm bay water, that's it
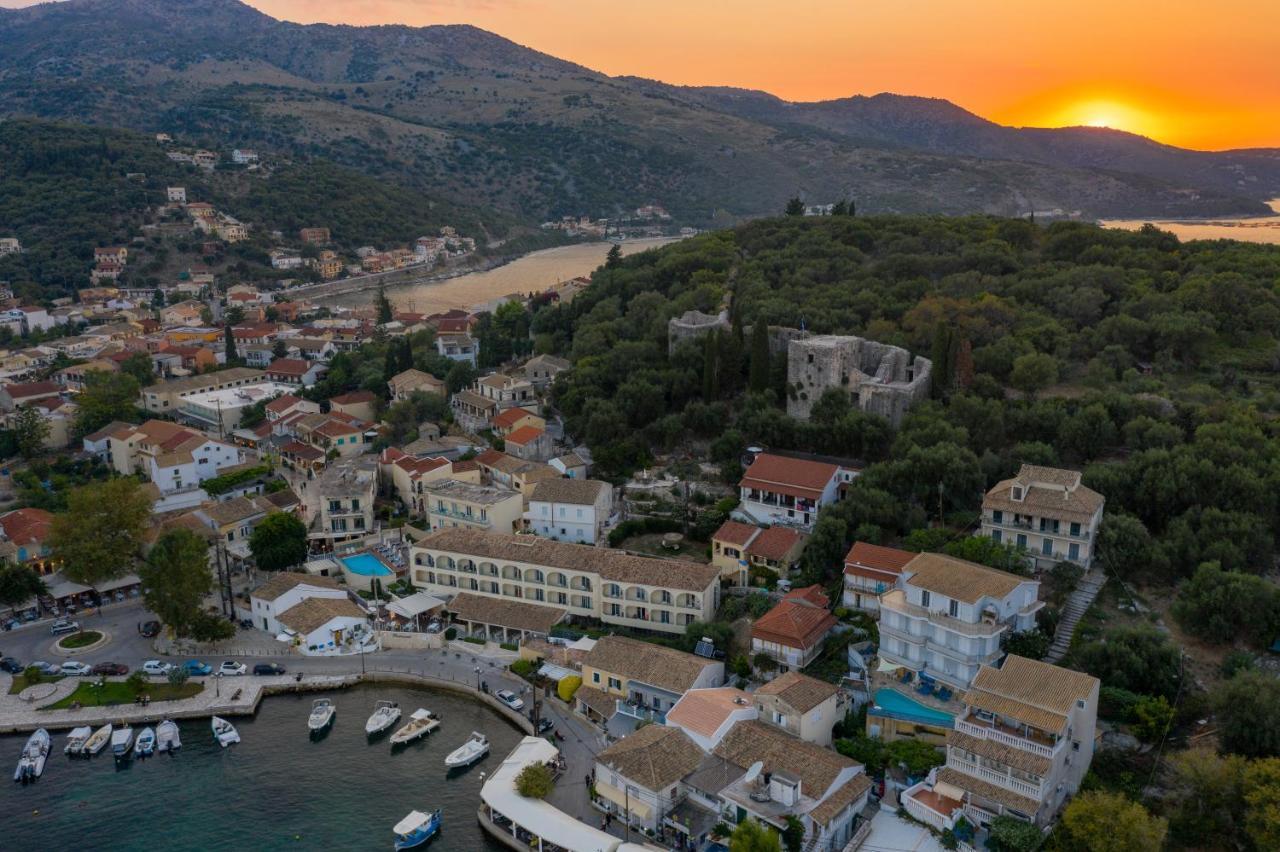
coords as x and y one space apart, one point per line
1246 229
277 789
531 273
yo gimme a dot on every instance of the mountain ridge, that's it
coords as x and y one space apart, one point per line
480 118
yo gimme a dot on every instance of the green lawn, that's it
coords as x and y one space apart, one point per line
81 639
20 682
114 693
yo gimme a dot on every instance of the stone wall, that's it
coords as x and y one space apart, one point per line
692 325
879 379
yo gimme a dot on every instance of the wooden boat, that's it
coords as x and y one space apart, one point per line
76 740
421 723
34 754
469 752
167 738
385 714
224 732
99 740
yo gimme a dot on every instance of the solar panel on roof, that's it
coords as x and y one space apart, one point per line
705 648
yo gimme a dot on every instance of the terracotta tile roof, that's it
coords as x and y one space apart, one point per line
598 700
1048 492
231 511
114 429
842 797
289 367
1010 756
800 620
733 532
353 398
959 579
815 766
656 665
334 428
1008 798
655 756
314 613
23 390
473 399
510 417
580 491
281 404
703 711
516 615
776 543
286 580
26 526
801 692
794 477
875 562
525 435
608 564
306 452
1037 693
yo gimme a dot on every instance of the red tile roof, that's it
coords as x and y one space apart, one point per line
507 419
793 477
302 451
524 435
289 367
800 620
23 390
875 562
737 533
282 404
353 398
774 543
26 526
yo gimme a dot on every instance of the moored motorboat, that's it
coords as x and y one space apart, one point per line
76 740
34 754
421 723
476 747
167 738
385 714
146 743
416 829
122 742
322 712
99 740
224 732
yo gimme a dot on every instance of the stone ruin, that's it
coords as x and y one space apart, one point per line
879 378
692 325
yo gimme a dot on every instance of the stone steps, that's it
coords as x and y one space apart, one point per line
1077 605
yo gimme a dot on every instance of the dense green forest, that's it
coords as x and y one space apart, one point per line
1148 363
65 189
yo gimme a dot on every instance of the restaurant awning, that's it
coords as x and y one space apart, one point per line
623 801
414 605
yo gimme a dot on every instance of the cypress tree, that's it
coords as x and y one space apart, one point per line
758 382
710 369
230 339
385 312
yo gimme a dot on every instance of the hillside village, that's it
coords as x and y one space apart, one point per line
427 492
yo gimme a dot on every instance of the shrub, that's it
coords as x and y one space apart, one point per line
1236 662
1010 834
534 781
451 634
1116 704
1152 717
758 604
178 675
741 666
475 640
567 687
137 682
522 668
765 663
509 646
206 627
1140 659
1031 644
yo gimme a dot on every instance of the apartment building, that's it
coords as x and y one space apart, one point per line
869 571
1048 512
570 509
346 492
949 615
1020 748
450 503
166 397
579 580
793 632
789 491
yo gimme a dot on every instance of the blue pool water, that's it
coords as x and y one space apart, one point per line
897 704
366 566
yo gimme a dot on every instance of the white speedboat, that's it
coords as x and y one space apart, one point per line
167 738
146 743
322 712
421 723
385 714
34 753
122 742
76 739
469 752
416 829
224 732
99 740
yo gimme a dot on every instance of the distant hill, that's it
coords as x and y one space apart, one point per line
463 114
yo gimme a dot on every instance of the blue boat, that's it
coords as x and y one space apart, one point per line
416 829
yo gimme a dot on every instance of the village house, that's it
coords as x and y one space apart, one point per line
1047 512
803 706
570 579
346 493
506 422
286 590
459 347
948 616
472 411
26 533
182 314
637 779
315 236
409 475
359 404
788 490
736 548
219 410
529 443
869 571
450 503
21 394
541 370
570 510
510 472
641 680
571 466
793 631
295 371
1020 748
405 384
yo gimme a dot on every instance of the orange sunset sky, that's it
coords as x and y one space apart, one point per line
1187 72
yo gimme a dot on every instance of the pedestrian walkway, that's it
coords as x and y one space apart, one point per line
1077 604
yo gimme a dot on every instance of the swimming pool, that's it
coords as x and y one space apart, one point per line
366 565
897 705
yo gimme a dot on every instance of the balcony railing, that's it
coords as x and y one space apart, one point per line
1028 526
1000 779
461 516
639 711
896 601
974 728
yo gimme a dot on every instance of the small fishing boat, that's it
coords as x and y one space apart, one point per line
76 740
146 743
34 753
322 712
122 742
167 738
385 714
421 723
99 740
224 732
416 829
469 752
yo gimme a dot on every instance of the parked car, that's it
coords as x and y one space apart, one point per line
46 668
268 669
158 668
434 626
11 623
246 624
509 698
151 629
11 665
75 668
111 669
197 668
61 626
230 668
544 725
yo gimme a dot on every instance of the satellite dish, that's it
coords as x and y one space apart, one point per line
754 771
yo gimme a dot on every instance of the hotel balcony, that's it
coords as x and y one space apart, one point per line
896 601
1000 777
1012 734
641 712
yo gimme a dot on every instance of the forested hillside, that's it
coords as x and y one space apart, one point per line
1150 364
